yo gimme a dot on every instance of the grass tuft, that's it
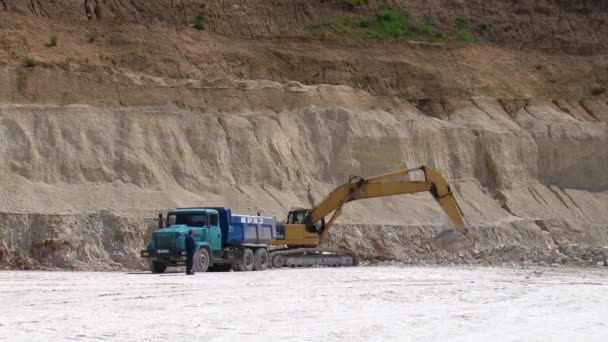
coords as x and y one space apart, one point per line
91 38
65 64
52 41
30 62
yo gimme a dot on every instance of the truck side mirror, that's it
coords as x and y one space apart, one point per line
160 221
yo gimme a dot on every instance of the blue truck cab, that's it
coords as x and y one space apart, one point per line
223 241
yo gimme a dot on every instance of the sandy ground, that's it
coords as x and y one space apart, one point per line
364 303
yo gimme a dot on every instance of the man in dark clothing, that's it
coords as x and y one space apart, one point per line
189 253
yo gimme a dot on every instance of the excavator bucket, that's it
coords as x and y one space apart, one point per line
452 241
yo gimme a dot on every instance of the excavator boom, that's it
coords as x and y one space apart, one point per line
371 187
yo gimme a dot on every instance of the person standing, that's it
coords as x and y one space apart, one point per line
189 253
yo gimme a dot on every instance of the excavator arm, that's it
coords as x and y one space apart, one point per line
377 186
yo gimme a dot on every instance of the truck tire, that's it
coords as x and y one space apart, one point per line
157 267
201 260
260 259
247 261
278 261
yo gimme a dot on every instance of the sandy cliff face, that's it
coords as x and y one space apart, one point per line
148 118
523 180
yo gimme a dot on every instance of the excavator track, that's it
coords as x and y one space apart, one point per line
307 257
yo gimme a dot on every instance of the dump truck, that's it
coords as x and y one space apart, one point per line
224 241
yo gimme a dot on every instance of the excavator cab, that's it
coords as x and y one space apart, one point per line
296 216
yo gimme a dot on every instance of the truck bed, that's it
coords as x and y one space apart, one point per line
246 229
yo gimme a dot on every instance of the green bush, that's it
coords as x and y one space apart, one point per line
389 24
508 27
199 21
30 62
465 37
438 37
485 26
462 23
598 91
361 22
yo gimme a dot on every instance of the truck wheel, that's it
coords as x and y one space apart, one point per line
201 260
260 259
278 261
157 267
246 262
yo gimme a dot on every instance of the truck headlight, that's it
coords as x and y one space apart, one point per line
144 254
183 253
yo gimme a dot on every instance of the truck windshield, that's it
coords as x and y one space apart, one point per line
191 220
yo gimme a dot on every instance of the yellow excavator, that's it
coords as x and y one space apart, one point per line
305 229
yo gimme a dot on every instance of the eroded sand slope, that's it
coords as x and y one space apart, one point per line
528 174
